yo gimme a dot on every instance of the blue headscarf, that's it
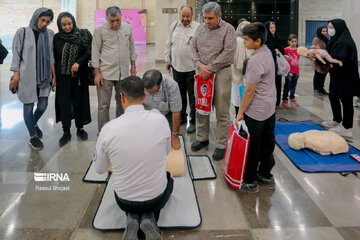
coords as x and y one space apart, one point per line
43 66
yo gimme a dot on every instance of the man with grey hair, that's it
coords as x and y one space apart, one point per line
163 94
112 52
178 56
213 52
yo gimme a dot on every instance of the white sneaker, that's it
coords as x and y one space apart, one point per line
330 124
341 131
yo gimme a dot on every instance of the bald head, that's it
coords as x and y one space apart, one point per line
186 13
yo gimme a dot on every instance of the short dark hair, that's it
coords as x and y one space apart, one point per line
151 78
255 31
133 87
291 37
48 13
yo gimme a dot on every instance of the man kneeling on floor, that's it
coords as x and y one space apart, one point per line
136 144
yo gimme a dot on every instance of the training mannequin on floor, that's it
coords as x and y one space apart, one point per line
321 142
318 54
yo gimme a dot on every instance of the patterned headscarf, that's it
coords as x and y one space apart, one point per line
72 41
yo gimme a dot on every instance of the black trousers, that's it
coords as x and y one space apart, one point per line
262 144
153 205
319 80
186 81
278 89
348 110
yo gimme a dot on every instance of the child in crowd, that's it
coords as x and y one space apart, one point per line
291 79
257 108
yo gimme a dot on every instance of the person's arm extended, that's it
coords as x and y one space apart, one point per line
53 82
247 98
101 159
175 141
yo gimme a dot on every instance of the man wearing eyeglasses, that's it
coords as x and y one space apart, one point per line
112 53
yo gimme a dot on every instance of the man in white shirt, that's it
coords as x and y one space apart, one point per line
136 145
112 53
178 56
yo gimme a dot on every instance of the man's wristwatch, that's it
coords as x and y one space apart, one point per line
175 133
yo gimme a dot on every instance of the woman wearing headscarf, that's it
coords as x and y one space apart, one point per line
321 70
241 54
344 81
72 50
274 44
34 70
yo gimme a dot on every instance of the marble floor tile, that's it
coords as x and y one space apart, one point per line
349 233
35 233
288 206
321 233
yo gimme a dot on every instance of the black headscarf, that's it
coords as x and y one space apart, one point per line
72 40
272 40
321 36
342 45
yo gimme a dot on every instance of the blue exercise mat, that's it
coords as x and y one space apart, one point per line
307 160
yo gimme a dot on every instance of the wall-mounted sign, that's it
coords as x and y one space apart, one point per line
169 10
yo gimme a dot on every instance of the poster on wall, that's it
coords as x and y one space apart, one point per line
135 17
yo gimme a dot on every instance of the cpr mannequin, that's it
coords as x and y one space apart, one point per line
175 162
319 54
322 142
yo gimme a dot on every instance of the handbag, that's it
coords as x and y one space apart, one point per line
236 152
3 53
90 74
283 65
12 90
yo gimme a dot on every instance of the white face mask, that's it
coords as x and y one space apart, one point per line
331 32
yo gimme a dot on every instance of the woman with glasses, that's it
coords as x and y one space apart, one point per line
72 50
34 70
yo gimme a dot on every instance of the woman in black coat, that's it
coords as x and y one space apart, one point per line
72 51
274 44
344 81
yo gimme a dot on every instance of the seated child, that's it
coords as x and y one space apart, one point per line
319 54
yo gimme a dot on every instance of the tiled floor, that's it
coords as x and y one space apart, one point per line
303 206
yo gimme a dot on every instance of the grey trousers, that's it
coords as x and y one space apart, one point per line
104 93
222 94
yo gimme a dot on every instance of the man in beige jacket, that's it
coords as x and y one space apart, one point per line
112 52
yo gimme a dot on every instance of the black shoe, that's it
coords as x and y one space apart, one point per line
317 92
218 154
191 128
82 134
323 91
149 226
183 121
36 143
38 131
64 139
132 227
267 182
250 187
197 145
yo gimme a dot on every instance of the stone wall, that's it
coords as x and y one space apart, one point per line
322 10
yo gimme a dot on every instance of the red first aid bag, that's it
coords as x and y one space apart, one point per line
205 94
236 151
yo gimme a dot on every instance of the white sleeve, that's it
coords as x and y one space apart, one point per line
101 159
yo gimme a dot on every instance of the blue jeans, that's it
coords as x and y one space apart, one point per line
30 117
290 86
